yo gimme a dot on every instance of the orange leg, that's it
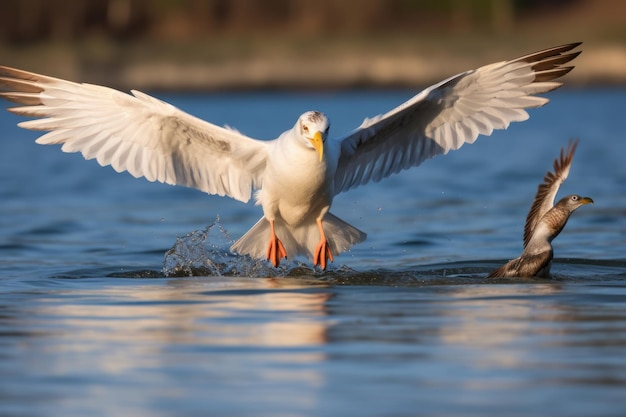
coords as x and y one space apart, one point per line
275 250
322 251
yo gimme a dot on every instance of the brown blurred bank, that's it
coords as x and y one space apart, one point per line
238 44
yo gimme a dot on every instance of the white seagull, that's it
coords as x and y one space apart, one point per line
297 175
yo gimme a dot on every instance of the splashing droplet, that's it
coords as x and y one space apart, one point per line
207 252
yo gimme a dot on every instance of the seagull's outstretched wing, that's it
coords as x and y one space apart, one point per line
546 192
136 133
447 115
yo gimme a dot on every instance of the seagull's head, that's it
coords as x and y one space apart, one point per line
572 202
313 127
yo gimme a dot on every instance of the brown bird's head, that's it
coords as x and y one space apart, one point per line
556 218
573 201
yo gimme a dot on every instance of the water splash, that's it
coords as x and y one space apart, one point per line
206 253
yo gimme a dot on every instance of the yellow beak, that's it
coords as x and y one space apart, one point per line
586 200
318 144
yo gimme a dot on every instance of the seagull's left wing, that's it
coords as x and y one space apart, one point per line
546 192
447 115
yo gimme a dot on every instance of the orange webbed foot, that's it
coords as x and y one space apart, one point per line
275 249
275 252
322 254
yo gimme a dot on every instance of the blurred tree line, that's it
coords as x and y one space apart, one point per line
27 21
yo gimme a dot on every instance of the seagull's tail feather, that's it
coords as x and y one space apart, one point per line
300 240
254 241
340 234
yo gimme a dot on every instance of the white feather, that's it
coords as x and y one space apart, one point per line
448 115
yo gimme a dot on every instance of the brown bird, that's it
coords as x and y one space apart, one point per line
295 177
544 222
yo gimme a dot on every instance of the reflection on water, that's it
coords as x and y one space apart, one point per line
492 347
94 341
178 314
493 316
155 346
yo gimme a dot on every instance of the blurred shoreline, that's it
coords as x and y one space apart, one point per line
202 45
344 64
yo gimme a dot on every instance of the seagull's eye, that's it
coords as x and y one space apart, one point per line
305 129
574 197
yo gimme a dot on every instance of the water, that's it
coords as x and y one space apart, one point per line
404 324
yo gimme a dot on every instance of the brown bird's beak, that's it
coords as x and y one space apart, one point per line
318 144
586 200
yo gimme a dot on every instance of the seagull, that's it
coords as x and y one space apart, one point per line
295 177
544 222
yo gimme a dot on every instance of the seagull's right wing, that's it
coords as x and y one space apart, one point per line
546 192
137 133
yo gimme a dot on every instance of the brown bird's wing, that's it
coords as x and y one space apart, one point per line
546 192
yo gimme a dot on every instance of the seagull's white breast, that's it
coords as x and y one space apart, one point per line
297 186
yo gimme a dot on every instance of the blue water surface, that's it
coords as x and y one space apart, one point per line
404 324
